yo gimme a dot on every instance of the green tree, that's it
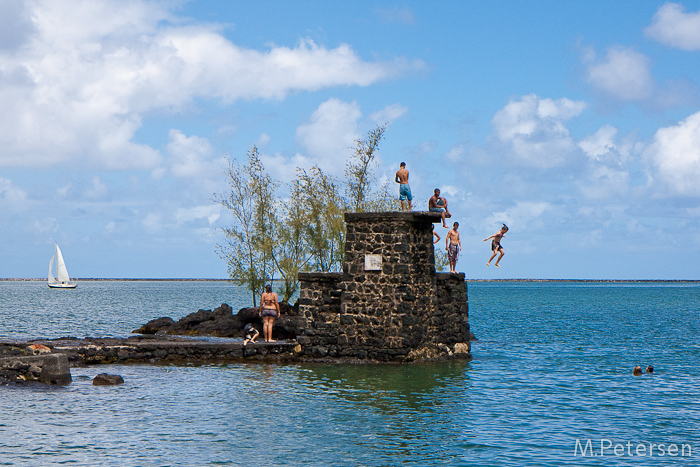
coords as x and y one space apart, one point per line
358 170
322 217
290 252
249 242
360 178
305 232
441 261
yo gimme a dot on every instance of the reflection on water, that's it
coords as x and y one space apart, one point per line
411 414
391 388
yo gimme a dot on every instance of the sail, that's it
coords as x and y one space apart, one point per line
61 271
51 278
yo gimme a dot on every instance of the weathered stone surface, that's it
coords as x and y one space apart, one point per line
104 379
47 369
404 311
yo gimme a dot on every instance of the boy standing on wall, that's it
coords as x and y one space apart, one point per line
453 245
404 188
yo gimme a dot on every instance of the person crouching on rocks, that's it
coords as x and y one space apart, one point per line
250 334
269 310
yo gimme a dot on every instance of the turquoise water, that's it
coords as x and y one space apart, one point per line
553 366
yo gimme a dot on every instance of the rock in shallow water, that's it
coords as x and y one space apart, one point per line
103 379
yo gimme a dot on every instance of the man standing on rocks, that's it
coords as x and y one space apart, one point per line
404 188
453 245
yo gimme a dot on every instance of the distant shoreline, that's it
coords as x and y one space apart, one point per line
468 280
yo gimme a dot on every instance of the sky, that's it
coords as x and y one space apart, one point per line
575 123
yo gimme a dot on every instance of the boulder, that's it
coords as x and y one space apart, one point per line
155 325
103 379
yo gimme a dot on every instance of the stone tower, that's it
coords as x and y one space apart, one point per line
388 304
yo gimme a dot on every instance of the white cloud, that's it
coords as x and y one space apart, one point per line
263 140
330 133
157 223
401 15
603 147
153 223
209 212
109 228
623 74
97 189
190 157
83 74
518 217
673 27
450 191
65 190
455 153
284 168
607 177
534 129
45 227
423 149
675 153
604 182
9 193
388 114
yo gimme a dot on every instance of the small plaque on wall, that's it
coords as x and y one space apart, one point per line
373 262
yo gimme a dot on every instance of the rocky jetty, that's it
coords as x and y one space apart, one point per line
159 349
221 322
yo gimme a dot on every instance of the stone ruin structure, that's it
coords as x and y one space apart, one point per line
388 304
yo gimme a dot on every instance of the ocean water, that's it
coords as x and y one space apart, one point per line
550 384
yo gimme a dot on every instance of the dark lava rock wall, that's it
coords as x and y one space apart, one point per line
388 304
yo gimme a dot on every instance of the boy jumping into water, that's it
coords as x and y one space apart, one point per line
496 245
404 188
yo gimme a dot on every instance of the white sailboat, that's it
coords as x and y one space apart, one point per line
63 281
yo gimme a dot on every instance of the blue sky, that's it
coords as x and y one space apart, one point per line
576 123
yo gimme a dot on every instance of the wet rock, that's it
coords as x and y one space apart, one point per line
221 322
104 379
156 325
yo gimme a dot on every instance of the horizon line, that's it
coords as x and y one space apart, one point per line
144 279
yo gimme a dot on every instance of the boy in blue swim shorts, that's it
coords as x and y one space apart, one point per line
404 188
437 203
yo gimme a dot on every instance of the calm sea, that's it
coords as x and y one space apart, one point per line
550 384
